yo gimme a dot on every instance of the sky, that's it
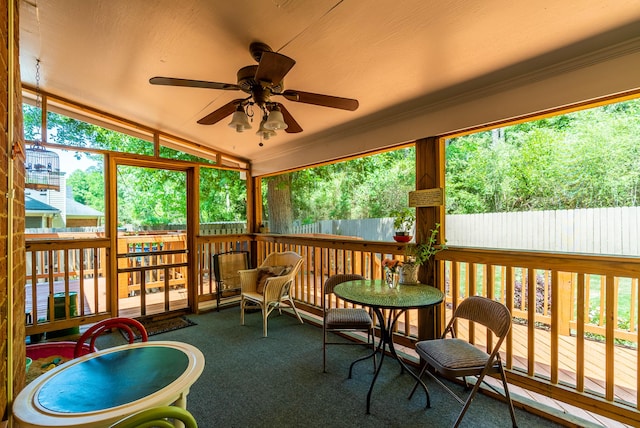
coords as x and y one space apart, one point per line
69 163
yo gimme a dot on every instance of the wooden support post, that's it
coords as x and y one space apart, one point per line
190 242
429 175
254 215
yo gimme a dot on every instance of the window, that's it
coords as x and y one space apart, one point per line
223 202
569 183
345 198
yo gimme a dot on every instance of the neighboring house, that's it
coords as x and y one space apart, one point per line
58 209
39 215
80 215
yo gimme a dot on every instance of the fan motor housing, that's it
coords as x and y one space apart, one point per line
256 49
248 83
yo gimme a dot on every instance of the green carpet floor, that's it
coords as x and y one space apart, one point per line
251 381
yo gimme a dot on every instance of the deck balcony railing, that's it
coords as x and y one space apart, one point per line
65 283
578 343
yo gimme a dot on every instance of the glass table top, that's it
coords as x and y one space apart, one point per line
376 293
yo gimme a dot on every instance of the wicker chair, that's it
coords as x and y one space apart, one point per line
105 326
161 417
457 358
267 289
343 319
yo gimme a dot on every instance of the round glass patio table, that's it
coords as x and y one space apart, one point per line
377 295
99 389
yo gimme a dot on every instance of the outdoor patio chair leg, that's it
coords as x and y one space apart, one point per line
503 376
295 310
265 316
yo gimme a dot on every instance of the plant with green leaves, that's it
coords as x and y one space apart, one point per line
418 254
403 219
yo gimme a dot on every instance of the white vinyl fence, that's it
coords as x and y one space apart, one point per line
613 231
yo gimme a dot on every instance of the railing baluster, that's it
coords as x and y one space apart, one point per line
509 292
34 288
488 273
531 321
80 276
633 305
582 308
609 337
555 319
455 290
602 301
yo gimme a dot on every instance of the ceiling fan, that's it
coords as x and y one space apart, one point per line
261 82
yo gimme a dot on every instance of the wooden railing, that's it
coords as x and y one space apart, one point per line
573 347
579 345
328 255
65 283
67 275
207 247
150 261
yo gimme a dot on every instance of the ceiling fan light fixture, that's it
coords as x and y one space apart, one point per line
265 133
240 120
275 120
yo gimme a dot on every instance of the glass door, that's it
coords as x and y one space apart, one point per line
152 240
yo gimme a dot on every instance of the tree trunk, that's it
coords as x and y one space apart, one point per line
279 203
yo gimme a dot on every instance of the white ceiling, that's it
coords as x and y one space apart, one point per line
387 54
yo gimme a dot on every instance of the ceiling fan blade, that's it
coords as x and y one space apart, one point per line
221 113
171 81
320 100
273 67
292 126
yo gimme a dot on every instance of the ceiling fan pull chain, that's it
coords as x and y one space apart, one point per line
249 111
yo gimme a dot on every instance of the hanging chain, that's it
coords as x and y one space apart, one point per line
38 98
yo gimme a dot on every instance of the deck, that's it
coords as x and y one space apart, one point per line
625 374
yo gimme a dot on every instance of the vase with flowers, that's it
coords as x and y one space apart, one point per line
391 271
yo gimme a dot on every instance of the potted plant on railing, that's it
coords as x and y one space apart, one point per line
418 254
403 221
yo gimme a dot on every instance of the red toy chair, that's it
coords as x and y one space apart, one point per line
104 326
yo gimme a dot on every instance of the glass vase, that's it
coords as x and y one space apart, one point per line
392 279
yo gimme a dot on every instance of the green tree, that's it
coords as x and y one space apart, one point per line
367 187
88 187
146 196
586 159
223 196
279 203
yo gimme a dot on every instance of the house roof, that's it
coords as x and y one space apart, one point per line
73 208
76 209
33 206
418 68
